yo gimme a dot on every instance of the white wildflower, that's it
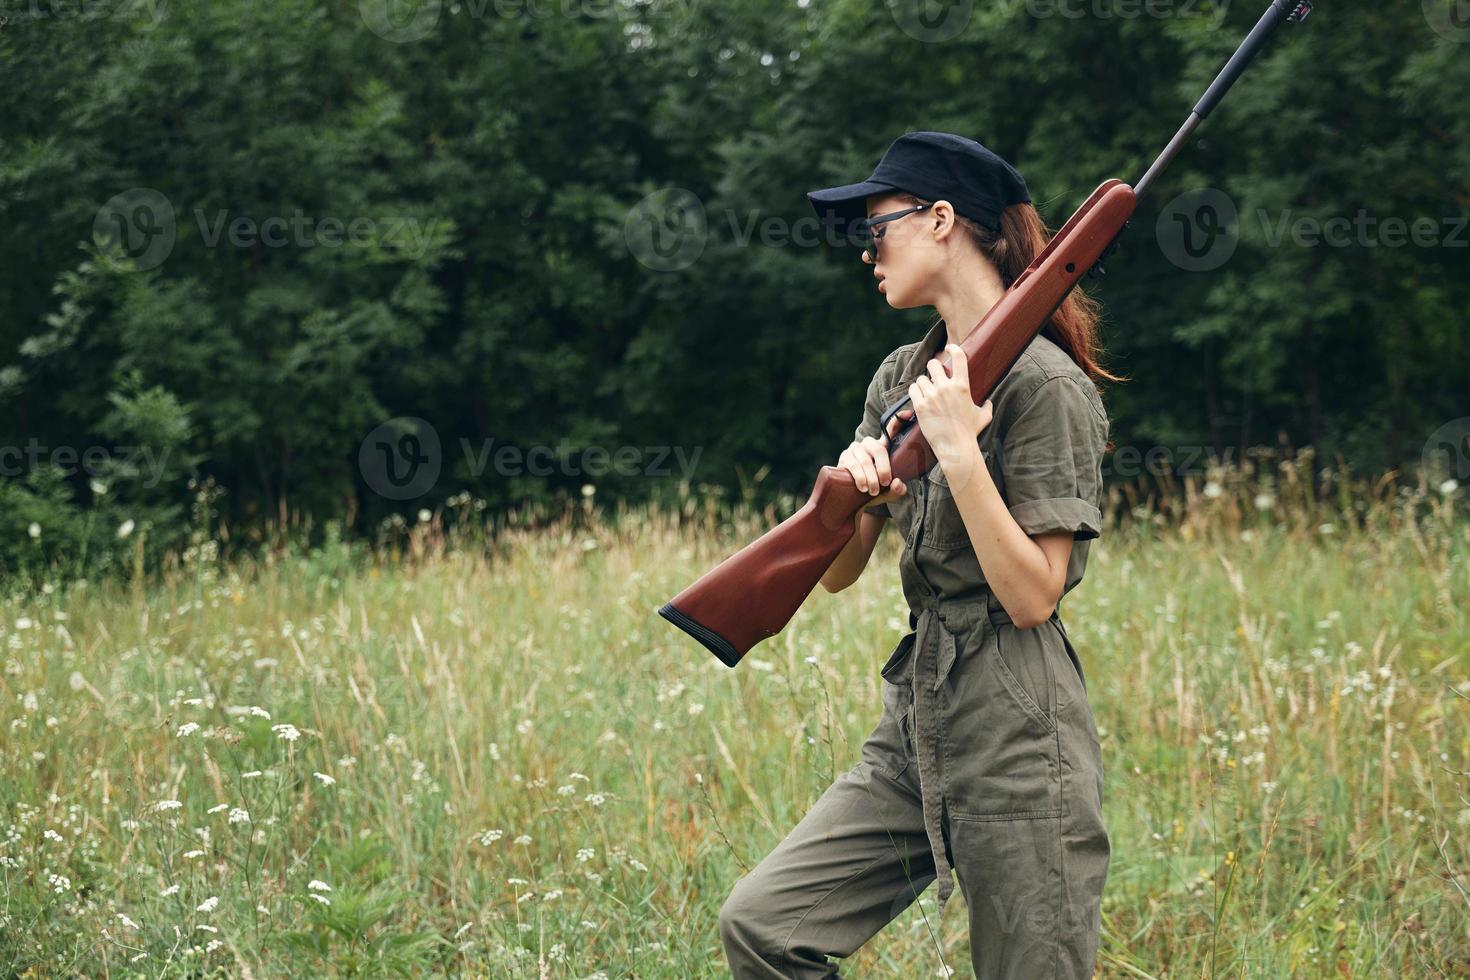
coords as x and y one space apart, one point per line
162 805
237 815
326 780
208 905
287 732
187 728
317 885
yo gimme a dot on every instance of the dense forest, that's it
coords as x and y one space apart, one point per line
261 256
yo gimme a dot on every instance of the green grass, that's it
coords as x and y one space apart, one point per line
535 775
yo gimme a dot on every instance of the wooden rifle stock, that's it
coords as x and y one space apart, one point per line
754 593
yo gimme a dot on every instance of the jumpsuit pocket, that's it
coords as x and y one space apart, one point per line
1071 683
887 748
1031 682
944 526
1003 751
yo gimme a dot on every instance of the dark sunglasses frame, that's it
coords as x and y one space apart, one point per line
869 235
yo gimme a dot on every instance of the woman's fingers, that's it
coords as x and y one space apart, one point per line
853 463
877 464
878 453
859 463
895 490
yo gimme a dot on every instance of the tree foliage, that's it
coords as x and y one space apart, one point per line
494 165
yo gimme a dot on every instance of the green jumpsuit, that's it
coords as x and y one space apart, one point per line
986 758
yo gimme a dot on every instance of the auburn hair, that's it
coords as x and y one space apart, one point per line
1023 235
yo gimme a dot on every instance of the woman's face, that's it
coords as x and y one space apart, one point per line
909 258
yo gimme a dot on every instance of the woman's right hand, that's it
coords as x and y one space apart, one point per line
867 462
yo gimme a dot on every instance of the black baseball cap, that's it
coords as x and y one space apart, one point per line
930 165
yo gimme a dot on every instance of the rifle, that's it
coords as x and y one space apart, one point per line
754 593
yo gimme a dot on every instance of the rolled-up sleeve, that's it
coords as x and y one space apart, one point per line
873 409
1051 460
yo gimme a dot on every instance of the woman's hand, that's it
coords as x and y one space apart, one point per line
867 461
948 416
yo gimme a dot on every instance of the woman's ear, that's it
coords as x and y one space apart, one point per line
943 217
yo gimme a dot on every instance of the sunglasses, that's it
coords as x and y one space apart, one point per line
868 234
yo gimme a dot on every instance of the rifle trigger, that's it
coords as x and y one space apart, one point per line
892 410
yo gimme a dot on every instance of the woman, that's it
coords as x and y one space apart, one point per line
986 759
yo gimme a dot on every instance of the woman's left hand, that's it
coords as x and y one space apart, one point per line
947 413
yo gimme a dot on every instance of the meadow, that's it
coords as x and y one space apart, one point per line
477 751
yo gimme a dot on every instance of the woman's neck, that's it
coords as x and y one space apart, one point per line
969 298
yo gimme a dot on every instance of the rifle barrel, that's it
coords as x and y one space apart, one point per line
1280 10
